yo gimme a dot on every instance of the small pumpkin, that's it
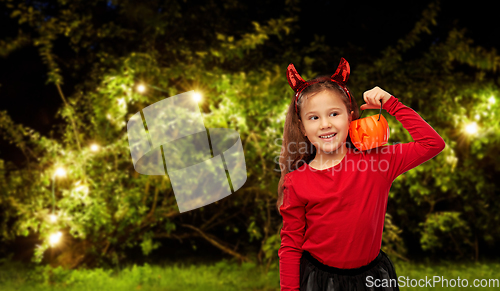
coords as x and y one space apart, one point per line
369 132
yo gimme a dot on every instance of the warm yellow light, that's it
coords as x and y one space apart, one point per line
53 217
60 172
141 88
55 238
94 147
492 100
197 96
471 128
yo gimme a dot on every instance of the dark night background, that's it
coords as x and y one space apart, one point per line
374 25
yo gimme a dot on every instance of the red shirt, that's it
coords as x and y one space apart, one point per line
337 214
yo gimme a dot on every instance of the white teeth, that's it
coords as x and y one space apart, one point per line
327 136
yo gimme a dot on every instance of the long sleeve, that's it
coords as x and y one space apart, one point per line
292 238
406 156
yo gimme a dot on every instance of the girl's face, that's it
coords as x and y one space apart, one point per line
324 114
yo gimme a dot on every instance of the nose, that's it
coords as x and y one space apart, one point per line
326 124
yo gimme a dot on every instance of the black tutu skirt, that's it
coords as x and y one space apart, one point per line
376 275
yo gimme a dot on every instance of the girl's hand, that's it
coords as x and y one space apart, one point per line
372 98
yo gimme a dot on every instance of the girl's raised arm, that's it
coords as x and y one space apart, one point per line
292 237
406 156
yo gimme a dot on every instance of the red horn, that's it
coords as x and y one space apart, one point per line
342 74
294 79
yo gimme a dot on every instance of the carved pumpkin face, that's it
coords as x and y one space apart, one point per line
369 132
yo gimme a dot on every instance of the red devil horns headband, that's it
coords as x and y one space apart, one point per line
298 84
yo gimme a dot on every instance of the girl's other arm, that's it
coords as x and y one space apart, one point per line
292 237
426 145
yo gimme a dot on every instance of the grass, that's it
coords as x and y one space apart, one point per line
222 275
219 276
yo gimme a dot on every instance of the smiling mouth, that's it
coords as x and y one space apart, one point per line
327 136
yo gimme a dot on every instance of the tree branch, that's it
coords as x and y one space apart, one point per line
75 130
217 244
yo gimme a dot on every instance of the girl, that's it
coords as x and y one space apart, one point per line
333 197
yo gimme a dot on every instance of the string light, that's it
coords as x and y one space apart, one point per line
94 147
197 96
141 88
53 217
471 128
60 172
55 238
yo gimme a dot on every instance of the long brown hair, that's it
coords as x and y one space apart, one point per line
296 148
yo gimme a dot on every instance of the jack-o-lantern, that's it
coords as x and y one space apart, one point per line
369 132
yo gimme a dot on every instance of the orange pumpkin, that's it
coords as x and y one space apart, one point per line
369 132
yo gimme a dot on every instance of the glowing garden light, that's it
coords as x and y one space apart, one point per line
94 147
141 88
471 128
55 238
60 172
197 96
492 100
53 217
